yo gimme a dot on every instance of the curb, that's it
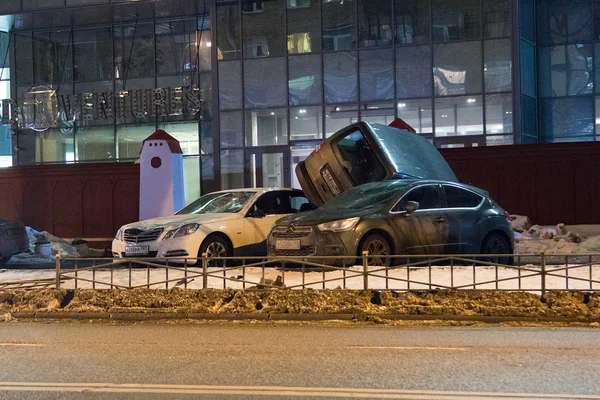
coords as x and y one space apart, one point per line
162 316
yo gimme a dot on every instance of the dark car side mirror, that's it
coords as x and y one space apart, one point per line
411 206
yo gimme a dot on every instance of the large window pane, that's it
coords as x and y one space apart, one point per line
565 70
566 118
412 21
339 24
141 47
265 83
92 54
52 61
413 71
339 116
299 153
457 68
130 138
340 79
186 133
304 26
24 57
379 113
262 28
54 146
306 123
176 47
377 74
191 179
374 23
498 114
497 19
456 20
416 113
5 147
228 31
266 127
456 116
499 140
232 169
230 85
527 68
562 21
232 131
497 67
305 83
95 143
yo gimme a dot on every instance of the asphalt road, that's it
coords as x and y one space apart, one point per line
226 360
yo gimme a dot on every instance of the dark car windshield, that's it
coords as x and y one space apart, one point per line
369 195
221 202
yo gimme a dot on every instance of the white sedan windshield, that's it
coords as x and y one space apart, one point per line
223 202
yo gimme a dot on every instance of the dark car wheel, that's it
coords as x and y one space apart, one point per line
4 261
496 243
378 248
215 246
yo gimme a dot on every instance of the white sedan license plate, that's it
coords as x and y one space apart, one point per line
137 250
287 245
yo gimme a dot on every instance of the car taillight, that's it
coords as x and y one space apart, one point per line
507 215
317 148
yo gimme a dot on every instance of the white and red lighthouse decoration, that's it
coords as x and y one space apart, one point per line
161 176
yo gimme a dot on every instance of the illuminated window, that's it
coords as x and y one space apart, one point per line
299 43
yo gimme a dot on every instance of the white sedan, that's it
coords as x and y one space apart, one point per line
220 224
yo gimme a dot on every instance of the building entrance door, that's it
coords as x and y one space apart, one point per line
267 167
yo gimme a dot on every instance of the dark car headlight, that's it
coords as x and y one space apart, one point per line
184 230
340 225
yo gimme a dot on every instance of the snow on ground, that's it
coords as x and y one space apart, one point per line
462 277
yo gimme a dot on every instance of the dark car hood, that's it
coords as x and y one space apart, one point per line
325 214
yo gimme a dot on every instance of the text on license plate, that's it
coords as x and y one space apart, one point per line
330 182
136 250
287 245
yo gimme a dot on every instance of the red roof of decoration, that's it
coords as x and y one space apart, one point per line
173 143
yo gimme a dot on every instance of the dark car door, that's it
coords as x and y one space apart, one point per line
463 212
423 231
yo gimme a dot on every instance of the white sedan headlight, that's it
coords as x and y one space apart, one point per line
339 225
182 231
119 235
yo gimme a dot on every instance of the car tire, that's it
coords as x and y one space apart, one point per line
215 246
496 243
4 261
376 245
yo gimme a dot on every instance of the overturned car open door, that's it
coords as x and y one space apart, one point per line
368 152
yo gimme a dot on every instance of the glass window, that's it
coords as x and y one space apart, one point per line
374 23
187 134
92 54
456 20
141 62
55 146
413 72
95 143
24 57
412 21
303 26
339 25
499 140
208 184
232 132
52 61
270 203
565 21
377 74
299 153
567 118
191 179
228 31
456 116
358 159
497 67
416 113
230 202
5 147
230 85
457 68
529 118
338 117
266 127
176 46
265 83
427 196
232 169
305 83
298 202
498 114
339 76
460 198
130 138
565 70
497 19
306 123
379 113
262 28
528 68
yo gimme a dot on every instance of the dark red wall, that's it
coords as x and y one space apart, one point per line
72 200
550 183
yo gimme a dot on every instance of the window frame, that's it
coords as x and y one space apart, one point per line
441 203
445 198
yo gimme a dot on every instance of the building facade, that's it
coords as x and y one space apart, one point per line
251 87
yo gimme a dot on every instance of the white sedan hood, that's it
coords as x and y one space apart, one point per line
175 221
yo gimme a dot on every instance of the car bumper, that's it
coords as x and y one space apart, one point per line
177 249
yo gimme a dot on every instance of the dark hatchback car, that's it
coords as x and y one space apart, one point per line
398 217
367 152
13 239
